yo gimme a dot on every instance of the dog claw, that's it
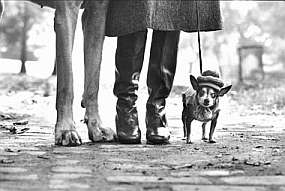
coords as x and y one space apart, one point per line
67 138
97 133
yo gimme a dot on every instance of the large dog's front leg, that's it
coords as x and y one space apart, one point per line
65 23
93 23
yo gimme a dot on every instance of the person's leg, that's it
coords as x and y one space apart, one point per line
161 71
129 61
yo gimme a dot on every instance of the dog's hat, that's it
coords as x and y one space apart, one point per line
210 78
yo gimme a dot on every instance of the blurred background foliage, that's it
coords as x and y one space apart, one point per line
21 21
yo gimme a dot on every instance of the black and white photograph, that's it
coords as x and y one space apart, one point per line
142 95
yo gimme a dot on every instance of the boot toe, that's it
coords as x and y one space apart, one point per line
129 138
159 135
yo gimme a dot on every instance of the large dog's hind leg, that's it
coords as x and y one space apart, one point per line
93 23
65 23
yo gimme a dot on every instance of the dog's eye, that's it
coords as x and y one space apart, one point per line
213 95
201 93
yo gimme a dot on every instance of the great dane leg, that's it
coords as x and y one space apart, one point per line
65 23
93 23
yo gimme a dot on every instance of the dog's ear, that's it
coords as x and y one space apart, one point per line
225 90
194 82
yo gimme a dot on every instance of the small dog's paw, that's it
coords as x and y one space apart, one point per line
189 142
212 141
204 139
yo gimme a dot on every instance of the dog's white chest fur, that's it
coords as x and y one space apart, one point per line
199 112
202 114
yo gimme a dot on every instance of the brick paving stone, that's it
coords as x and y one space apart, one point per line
60 156
128 149
67 162
12 170
9 153
12 177
120 160
156 179
126 188
70 176
71 150
22 185
60 184
213 173
29 149
67 169
255 180
220 172
137 166
217 188
35 153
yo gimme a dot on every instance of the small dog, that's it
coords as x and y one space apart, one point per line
202 104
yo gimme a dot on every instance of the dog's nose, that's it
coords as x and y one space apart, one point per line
206 102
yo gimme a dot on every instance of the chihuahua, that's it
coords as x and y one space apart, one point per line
202 103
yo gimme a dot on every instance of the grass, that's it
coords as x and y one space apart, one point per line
267 94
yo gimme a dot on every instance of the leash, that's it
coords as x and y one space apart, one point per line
199 38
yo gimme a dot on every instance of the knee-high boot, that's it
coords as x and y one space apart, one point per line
129 61
161 71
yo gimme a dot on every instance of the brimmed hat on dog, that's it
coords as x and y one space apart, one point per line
211 79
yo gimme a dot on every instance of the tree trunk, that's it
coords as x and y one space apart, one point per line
24 40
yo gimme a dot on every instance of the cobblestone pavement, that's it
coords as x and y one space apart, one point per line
248 155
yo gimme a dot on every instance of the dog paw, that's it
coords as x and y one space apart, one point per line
212 141
67 138
96 133
188 141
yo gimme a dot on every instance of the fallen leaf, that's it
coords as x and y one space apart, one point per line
23 122
7 161
182 166
44 157
11 150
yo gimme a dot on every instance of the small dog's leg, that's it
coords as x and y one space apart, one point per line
184 118
204 131
212 128
184 130
188 131
93 24
65 22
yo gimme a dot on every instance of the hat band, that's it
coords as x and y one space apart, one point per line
209 85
